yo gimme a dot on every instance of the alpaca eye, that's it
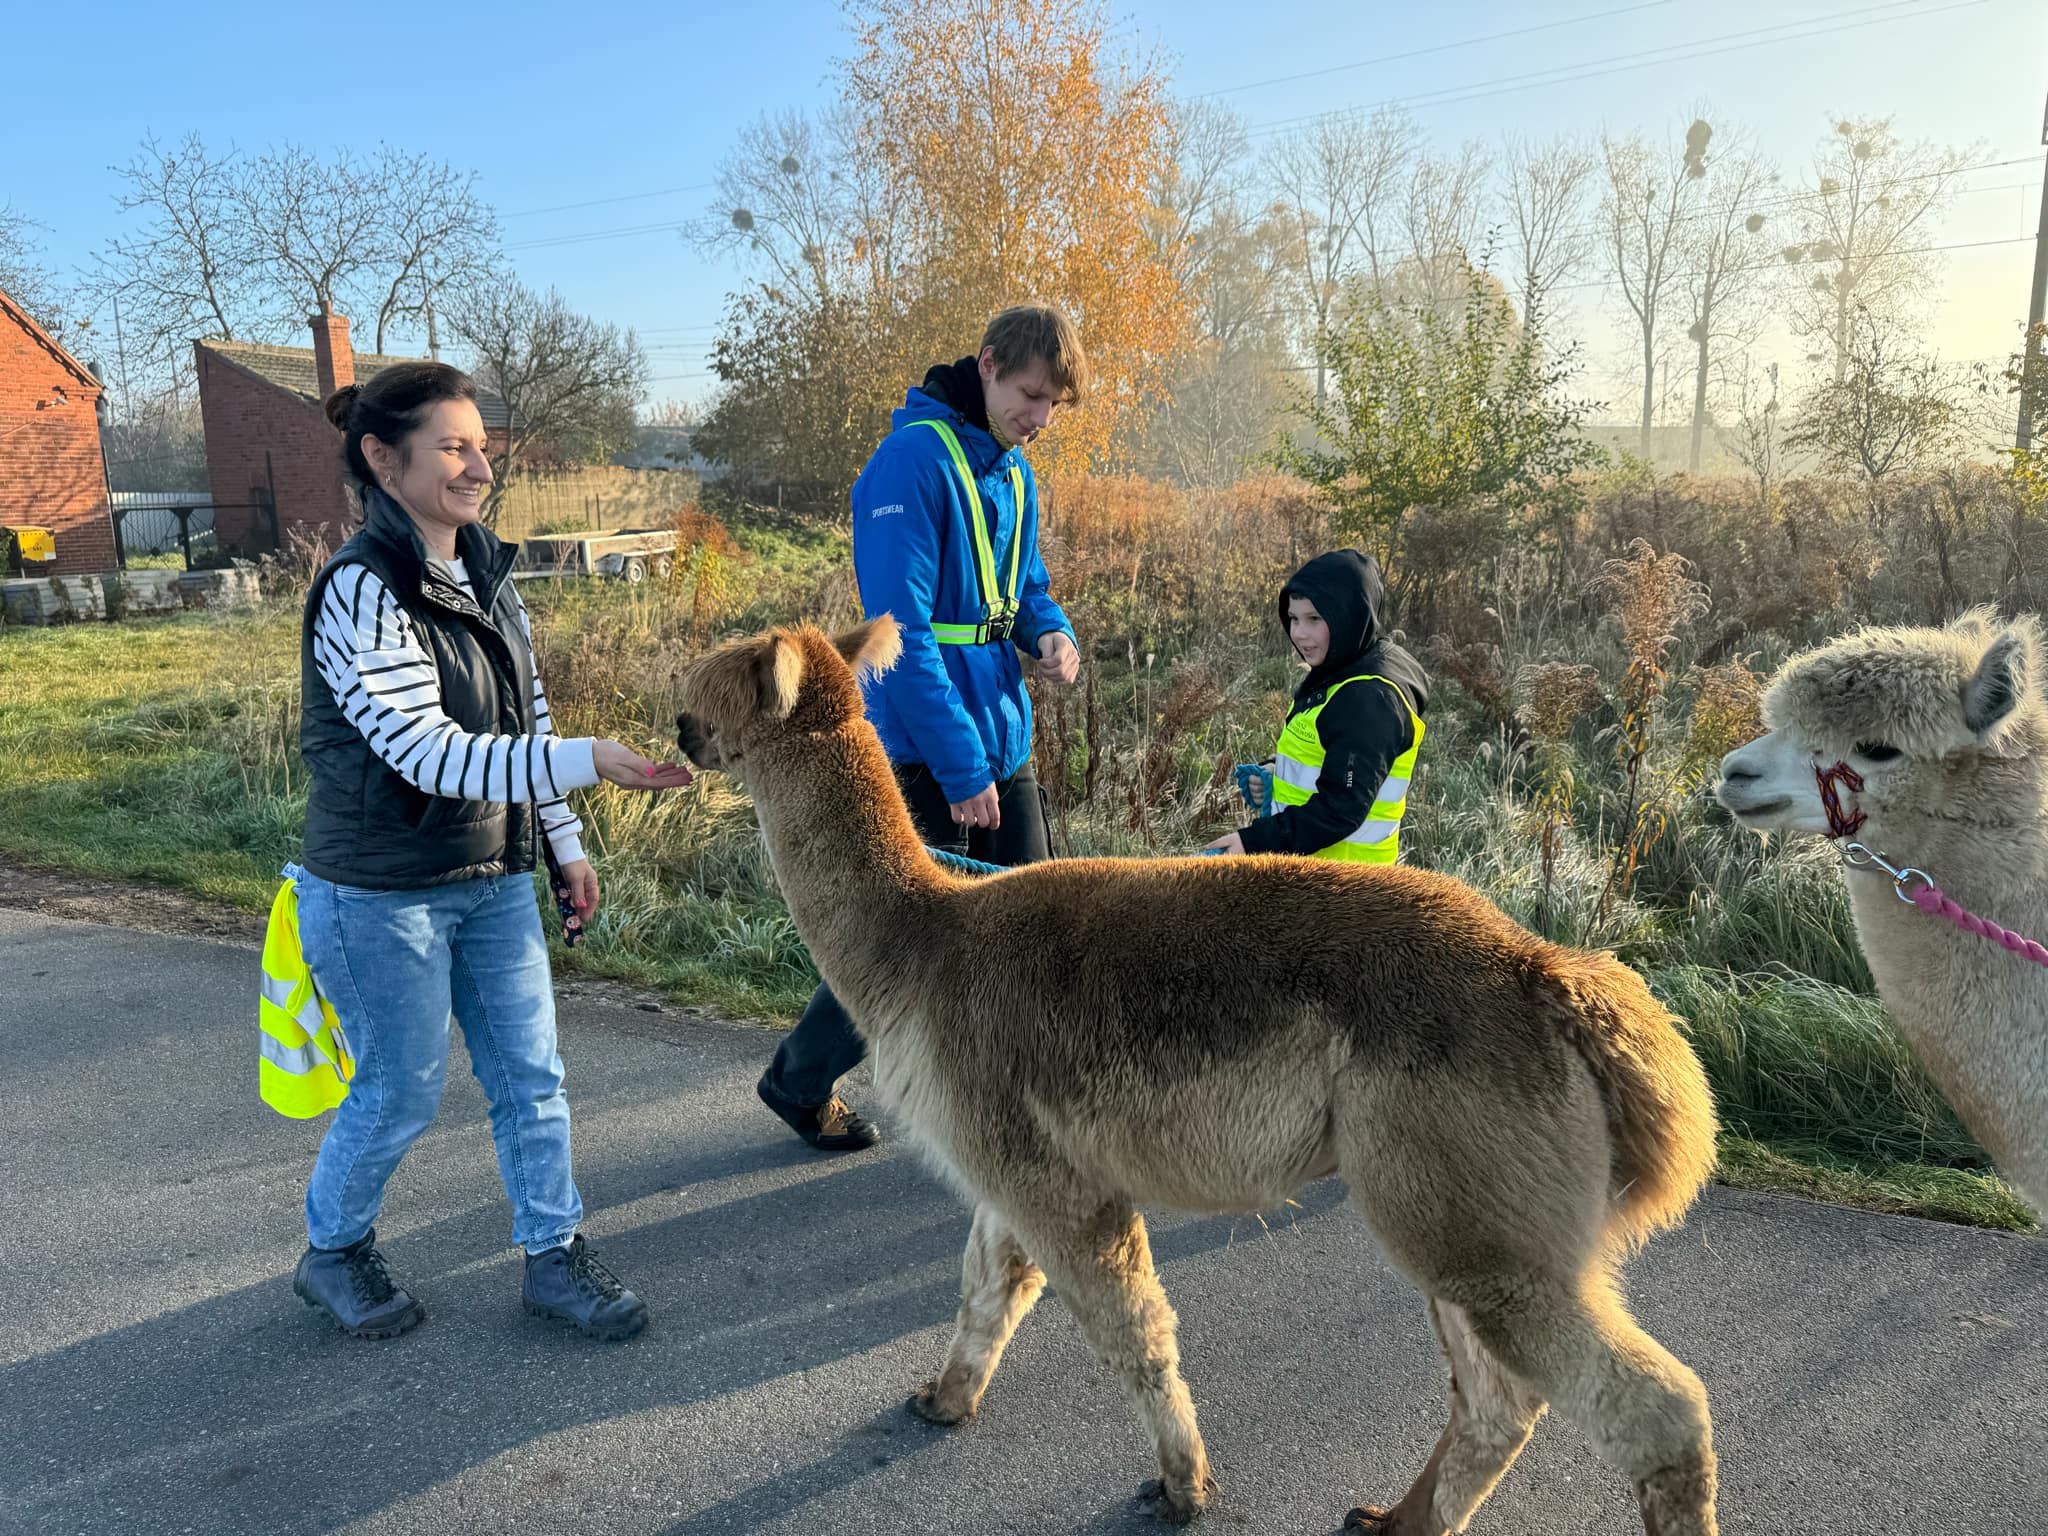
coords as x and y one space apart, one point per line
1876 751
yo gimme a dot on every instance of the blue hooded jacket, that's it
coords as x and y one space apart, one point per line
960 710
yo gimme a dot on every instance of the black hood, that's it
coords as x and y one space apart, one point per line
958 385
1348 592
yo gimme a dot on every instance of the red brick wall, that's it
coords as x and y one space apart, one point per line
248 419
51 473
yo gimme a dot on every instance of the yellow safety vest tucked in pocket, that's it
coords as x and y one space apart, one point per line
305 1068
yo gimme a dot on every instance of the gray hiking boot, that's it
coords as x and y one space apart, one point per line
353 1286
569 1284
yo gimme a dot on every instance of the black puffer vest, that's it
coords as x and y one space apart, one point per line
365 825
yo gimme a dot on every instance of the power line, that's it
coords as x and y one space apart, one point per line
599 202
1417 53
1669 53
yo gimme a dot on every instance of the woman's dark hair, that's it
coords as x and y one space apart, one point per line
390 406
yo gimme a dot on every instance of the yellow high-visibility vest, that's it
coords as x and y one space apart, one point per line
998 607
1298 762
305 1067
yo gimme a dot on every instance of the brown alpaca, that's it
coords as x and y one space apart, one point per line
1069 1041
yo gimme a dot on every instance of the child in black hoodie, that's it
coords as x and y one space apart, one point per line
1342 764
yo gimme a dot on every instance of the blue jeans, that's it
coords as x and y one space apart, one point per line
394 965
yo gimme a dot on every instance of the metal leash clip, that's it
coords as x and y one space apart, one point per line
1859 856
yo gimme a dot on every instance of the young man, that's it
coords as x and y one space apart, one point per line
945 537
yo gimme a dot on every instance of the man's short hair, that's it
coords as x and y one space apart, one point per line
1030 333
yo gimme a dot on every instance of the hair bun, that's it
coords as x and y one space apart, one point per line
341 402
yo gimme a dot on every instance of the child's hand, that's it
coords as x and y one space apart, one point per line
1229 843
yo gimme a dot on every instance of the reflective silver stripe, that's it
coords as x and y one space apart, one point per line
1373 832
1300 775
279 995
1395 787
297 1060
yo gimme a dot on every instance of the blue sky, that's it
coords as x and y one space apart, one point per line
631 101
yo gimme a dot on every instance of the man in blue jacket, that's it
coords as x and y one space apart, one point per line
945 537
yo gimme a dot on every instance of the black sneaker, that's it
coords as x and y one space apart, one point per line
830 1127
353 1286
569 1284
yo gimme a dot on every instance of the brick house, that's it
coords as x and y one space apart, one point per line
272 457
52 472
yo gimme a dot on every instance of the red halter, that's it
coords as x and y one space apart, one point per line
1831 799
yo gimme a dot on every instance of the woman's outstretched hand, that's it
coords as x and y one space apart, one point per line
621 765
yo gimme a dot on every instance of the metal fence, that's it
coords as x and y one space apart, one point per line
150 524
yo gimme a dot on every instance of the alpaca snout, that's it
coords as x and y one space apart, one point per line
697 742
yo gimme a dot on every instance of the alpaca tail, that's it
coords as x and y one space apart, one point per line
1660 1111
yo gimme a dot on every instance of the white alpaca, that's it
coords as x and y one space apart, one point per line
1938 740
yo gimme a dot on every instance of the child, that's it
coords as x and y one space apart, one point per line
1342 764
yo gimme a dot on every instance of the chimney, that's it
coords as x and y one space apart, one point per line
333 360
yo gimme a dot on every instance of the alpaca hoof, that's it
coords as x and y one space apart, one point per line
1176 1506
928 1405
1371 1519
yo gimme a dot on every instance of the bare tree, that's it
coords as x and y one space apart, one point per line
1442 215
571 384
785 204
24 278
436 236
1204 175
1889 412
1723 255
316 225
1862 232
1755 437
192 268
1337 181
1545 188
1643 209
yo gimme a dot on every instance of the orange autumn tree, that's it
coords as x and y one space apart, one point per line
1027 156
987 154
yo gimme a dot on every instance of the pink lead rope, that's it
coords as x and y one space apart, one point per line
1928 898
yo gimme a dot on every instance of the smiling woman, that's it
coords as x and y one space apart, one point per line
434 771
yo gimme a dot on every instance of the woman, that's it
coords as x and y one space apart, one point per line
1341 766
434 766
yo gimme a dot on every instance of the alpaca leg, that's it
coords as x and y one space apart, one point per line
1104 1274
1492 1417
1644 1412
998 1284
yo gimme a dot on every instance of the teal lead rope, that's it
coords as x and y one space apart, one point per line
959 863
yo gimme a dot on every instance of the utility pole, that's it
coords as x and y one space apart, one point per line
2032 362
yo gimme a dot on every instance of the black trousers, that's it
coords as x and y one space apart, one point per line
824 1046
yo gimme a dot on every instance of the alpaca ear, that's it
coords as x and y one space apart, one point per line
778 671
2002 678
744 678
871 649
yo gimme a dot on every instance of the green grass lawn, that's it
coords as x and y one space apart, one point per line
165 751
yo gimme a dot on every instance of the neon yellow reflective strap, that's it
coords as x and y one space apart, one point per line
999 608
1297 765
303 1065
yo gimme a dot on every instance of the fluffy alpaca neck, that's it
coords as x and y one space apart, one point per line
852 868
1973 1012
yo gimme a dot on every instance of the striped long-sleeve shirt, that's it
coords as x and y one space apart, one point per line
385 682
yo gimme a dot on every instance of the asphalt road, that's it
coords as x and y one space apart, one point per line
157 1375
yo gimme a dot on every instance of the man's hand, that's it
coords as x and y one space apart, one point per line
582 882
1229 843
1058 659
984 810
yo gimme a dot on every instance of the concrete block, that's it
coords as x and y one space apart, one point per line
32 600
136 592
237 587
